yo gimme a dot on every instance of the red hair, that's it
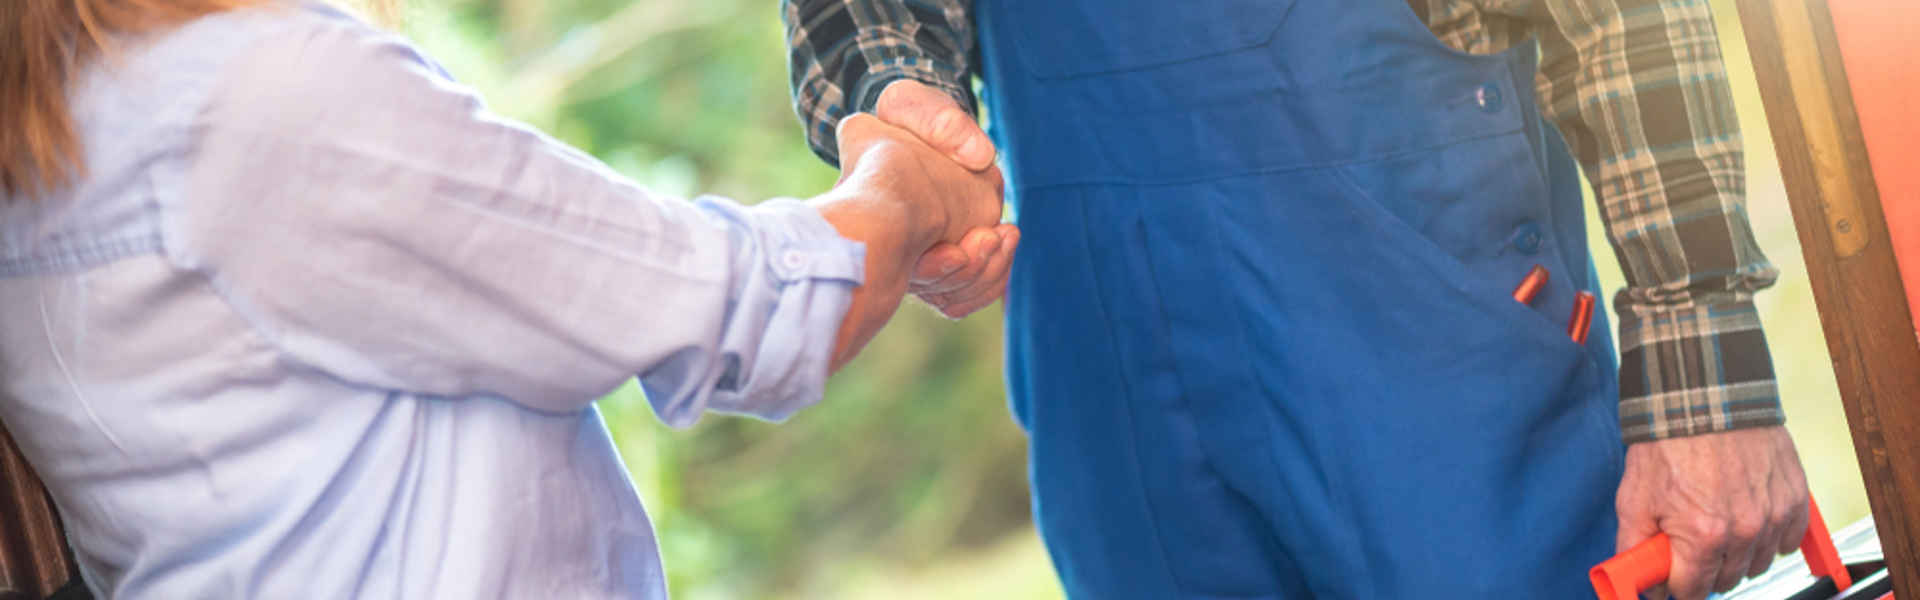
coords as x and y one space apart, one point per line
44 44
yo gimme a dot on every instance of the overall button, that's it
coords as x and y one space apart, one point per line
1489 97
1528 239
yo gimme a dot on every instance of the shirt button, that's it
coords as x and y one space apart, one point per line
793 260
1489 97
1528 239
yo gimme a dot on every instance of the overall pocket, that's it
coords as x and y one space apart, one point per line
1476 213
1338 363
1068 38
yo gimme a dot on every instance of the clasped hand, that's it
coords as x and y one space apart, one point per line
963 274
918 186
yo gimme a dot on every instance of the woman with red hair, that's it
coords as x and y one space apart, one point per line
286 312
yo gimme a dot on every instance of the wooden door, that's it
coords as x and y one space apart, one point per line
1837 175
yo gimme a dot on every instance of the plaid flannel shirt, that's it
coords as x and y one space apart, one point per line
1636 86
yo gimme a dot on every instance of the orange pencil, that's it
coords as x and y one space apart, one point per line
1530 287
1582 319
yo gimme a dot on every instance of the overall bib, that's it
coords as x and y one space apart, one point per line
1261 330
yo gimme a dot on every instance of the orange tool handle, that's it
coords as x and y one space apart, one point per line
1624 576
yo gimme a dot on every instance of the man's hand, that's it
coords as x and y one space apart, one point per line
1729 502
901 198
955 278
938 120
892 165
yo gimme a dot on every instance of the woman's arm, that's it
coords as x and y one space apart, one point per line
376 222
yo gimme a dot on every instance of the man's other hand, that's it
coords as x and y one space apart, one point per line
1729 502
954 278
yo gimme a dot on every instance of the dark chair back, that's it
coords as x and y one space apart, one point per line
35 562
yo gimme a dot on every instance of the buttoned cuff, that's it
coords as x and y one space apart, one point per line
1693 371
802 245
786 315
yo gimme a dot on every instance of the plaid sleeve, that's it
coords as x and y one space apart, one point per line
843 53
1639 90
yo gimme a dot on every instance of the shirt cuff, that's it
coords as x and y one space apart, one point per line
1694 371
866 94
778 349
864 87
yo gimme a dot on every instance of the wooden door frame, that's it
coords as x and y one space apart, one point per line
1850 259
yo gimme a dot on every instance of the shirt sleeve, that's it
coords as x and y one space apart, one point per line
843 53
374 221
1640 92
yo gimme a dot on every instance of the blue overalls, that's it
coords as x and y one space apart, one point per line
1261 330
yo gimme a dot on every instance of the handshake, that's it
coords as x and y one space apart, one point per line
918 186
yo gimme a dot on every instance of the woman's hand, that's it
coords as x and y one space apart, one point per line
901 198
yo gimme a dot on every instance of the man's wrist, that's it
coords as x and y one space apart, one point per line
866 96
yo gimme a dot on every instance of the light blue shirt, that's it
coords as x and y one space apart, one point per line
316 324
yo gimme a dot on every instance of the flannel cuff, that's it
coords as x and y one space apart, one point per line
882 59
867 91
1695 370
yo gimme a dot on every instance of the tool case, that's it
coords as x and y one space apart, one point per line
1848 565
1857 546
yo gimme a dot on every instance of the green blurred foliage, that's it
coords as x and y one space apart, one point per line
909 481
